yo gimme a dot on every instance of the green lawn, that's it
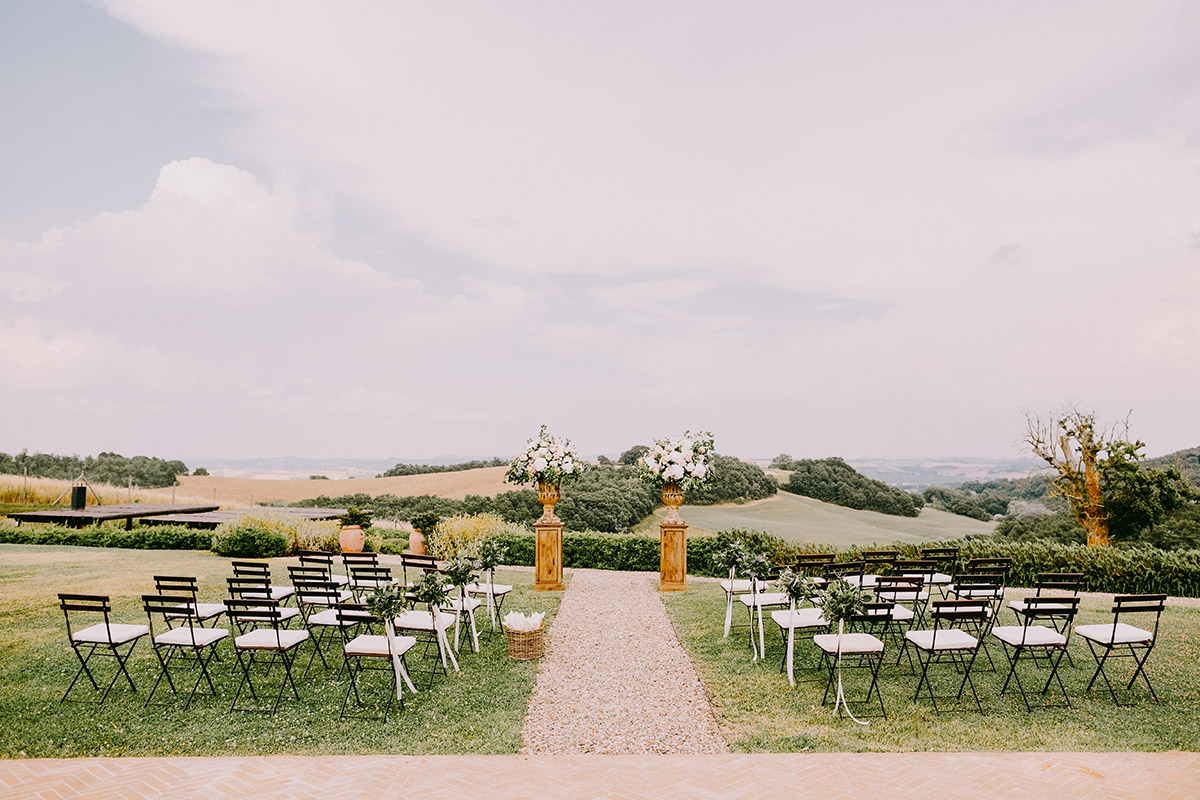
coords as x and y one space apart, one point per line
759 712
802 519
480 710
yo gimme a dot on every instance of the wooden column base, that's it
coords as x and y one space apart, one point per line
672 569
548 556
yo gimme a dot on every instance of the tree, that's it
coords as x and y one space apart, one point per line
782 461
631 456
1110 492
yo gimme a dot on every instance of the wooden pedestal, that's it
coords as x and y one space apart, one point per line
672 569
548 556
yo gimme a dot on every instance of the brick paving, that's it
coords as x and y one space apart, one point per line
829 776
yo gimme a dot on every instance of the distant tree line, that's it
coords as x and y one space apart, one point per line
401 470
112 468
832 480
605 497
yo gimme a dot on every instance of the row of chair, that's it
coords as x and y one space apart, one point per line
327 607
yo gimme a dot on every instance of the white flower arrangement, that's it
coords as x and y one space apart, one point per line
683 460
545 459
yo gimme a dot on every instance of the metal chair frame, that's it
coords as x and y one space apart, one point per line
97 604
192 653
1056 610
946 614
256 614
1139 652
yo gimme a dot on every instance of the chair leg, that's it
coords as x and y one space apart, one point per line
1141 663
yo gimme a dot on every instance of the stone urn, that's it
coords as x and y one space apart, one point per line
548 495
352 539
672 497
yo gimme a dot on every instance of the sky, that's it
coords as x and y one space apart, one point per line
366 229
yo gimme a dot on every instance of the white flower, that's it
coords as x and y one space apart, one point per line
539 465
675 471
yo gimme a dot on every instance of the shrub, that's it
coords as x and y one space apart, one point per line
264 527
835 481
606 499
248 541
462 533
110 534
733 481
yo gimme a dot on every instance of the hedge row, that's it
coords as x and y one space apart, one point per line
158 537
1121 570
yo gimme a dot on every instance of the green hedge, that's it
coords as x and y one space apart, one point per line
156 537
1121 570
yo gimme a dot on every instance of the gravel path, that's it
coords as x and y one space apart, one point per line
616 679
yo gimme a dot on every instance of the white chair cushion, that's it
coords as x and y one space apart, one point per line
376 645
454 603
203 610
738 585
202 637
1021 605
420 621
1035 635
902 614
285 614
851 643
764 599
1120 633
498 589
265 639
973 593
800 618
328 618
322 599
861 581
940 579
947 639
117 633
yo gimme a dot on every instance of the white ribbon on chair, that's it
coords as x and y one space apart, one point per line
398 669
841 696
729 603
491 596
791 640
762 640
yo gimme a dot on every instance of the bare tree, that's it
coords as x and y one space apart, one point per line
1070 443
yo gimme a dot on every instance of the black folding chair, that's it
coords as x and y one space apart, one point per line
260 589
266 635
370 652
421 563
187 646
186 590
365 578
316 601
260 569
105 639
946 564
947 642
319 559
1062 584
1121 640
813 564
856 650
1036 639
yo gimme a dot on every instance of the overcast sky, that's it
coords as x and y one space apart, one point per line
377 228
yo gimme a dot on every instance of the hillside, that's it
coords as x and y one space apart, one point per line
242 491
1187 460
802 519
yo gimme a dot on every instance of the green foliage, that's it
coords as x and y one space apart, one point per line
248 541
630 457
842 600
733 481
356 516
956 501
386 602
431 589
995 495
200 472
318 477
834 481
461 570
462 534
427 469
1137 497
110 468
142 537
1060 527
424 522
1186 461
606 499
520 506
492 553
730 558
782 461
799 588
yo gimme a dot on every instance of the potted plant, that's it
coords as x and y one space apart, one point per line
355 523
549 462
422 524
675 466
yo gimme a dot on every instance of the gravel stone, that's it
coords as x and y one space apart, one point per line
616 679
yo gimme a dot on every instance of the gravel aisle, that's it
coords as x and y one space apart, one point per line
616 679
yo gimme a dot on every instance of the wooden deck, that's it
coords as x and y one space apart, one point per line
94 514
211 519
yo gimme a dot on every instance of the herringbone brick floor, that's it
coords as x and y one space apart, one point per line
829 776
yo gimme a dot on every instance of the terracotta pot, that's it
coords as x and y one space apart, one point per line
352 539
672 497
416 543
548 495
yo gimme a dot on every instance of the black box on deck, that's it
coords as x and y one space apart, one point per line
78 498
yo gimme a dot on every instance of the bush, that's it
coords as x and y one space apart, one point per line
462 533
1060 528
733 481
606 499
955 501
264 527
248 542
110 534
834 481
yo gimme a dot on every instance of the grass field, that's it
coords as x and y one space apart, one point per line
802 519
242 492
479 710
759 712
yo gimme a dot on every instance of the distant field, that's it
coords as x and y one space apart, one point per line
240 491
802 519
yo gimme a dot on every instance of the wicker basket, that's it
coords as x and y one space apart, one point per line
525 645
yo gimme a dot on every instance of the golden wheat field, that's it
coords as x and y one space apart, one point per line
240 492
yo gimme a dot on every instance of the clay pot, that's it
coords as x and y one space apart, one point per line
352 539
416 543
